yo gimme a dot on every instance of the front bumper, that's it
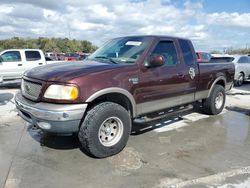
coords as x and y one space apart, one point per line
56 118
9 82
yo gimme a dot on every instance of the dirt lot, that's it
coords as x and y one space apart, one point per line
193 151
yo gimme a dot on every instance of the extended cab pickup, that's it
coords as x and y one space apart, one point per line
14 62
126 80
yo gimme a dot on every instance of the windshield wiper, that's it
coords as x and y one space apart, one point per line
108 58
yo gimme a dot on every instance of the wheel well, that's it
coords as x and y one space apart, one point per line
115 98
243 74
220 82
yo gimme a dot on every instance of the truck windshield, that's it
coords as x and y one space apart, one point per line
121 50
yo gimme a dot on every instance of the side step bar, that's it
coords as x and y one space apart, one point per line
164 114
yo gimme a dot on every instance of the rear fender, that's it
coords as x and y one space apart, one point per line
217 80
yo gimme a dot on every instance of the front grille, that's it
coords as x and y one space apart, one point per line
31 90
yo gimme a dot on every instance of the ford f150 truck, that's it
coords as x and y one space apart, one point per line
126 80
14 62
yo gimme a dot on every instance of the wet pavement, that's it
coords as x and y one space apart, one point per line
193 151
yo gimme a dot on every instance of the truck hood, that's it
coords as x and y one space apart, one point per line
66 71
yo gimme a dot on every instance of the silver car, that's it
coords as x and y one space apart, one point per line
242 69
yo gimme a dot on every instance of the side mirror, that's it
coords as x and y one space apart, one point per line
1 59
155 61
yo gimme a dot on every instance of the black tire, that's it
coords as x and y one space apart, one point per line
210 106
90 130
240 80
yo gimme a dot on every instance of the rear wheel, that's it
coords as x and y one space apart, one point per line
105 130
214 104
240 80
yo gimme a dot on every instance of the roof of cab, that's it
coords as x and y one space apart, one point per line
154 36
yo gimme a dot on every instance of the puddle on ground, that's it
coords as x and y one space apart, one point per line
236 126
55 141
238 109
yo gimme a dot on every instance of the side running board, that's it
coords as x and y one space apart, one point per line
164 114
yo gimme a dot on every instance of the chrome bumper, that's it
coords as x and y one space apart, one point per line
58 118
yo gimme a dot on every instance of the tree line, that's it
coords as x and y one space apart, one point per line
237 51
49 44
232 51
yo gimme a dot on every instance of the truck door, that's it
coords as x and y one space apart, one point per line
161 87
189 68
12 65
33 59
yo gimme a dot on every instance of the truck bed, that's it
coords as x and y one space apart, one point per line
209 72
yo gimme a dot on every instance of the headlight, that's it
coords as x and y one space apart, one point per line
61 92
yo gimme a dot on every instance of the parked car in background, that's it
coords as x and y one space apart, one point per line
48 59
72 57
14 62
220 55
55 56
84 55
203 57
226 59
50 55
242 69
60 56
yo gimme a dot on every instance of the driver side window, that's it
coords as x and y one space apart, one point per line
11 56
168 51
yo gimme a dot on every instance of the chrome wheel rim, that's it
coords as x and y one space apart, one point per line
110 131
219 100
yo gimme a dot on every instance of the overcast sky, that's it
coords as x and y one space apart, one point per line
209 24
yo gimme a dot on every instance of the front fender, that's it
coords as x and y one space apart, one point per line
114 90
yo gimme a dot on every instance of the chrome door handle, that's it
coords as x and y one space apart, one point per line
192 73
19 65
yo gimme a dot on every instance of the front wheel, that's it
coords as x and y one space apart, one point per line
214 104
105 130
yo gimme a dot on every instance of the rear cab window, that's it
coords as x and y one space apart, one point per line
168 51
11 56
32 55
206 57
187 52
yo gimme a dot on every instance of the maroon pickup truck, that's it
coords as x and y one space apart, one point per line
126 80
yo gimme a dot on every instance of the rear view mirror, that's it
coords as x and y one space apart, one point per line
155 61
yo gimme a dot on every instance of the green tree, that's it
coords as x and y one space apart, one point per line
48 44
